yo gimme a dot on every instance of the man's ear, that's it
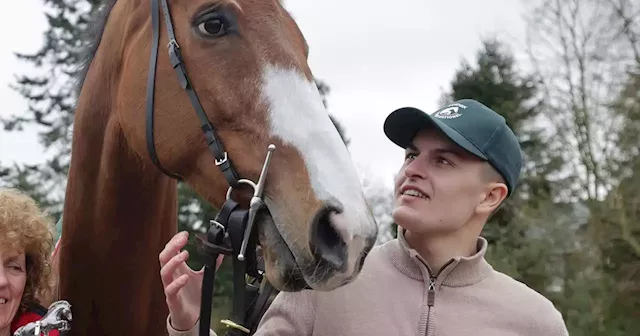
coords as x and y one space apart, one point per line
496 193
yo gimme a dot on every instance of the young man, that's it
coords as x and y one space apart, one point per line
461 162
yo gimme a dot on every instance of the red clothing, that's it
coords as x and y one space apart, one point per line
31 315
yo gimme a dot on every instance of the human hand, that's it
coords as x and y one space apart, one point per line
182 285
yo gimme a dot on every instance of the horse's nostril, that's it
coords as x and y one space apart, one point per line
327 242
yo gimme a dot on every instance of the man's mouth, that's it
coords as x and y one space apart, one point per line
3 300
414 193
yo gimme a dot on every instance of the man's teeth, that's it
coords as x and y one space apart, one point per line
3 300
413 192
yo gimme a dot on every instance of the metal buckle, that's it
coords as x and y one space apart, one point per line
174 43
219 162
234 325
216 223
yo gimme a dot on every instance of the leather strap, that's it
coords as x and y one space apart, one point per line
213 141
216 243
226 233
151 86
249 301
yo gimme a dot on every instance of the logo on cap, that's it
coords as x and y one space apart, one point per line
449 112
452 111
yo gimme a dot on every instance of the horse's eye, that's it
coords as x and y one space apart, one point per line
213 27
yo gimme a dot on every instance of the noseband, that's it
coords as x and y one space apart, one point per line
231 233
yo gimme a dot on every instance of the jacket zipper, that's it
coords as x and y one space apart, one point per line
431 295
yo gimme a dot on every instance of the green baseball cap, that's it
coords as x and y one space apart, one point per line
468 123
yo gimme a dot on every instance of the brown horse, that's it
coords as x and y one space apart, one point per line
246 60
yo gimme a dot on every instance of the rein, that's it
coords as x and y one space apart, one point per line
231 232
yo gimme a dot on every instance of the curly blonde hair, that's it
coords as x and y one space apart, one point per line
24 226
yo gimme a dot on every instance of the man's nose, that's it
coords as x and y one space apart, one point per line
415 168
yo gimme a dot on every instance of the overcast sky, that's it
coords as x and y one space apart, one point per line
375 55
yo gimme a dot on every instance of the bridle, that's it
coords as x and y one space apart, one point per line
231 233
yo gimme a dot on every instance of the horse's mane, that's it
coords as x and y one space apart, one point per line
91 40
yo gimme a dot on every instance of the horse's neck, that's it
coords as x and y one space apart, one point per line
119 211
118 215
115 193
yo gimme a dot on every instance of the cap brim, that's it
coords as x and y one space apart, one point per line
403 124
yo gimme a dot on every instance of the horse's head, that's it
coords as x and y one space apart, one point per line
247 62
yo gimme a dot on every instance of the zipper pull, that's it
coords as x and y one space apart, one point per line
431 297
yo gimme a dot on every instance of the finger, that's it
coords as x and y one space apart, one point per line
172 247
167 271
171 291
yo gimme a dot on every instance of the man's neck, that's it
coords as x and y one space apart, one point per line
5 331
437 250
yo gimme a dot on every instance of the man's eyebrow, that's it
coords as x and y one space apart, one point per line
449 150
457 152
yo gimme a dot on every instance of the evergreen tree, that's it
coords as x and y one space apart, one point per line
616 224
51 99
495 81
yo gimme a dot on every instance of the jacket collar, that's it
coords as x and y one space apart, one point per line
458 272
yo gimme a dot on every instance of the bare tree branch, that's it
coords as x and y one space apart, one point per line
628 24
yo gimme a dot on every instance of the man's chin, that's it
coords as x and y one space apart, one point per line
413 221
406 217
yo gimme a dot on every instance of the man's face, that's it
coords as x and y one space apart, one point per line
440 186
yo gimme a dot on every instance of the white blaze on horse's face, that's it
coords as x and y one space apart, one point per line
298 118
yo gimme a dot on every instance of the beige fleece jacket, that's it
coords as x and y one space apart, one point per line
396 294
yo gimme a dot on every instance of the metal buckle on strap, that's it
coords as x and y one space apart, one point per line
216 223
224 159
174 43
234 325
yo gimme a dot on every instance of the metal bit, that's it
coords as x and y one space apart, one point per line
256 202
